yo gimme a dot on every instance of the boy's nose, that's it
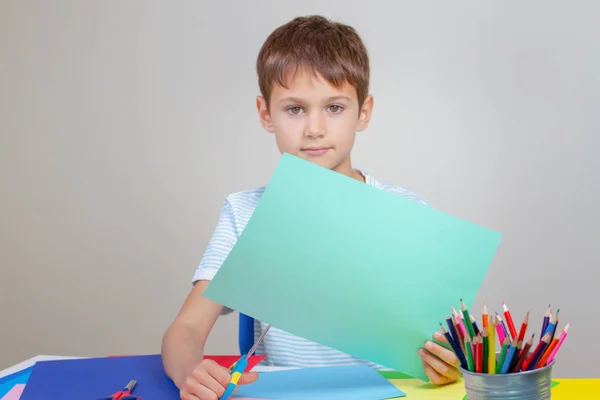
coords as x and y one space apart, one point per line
316 126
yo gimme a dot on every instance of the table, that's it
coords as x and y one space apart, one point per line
567 389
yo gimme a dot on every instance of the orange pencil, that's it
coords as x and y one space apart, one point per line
556 342
485 317
547 353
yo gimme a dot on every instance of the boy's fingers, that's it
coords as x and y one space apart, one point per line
248 377
433 375
442 368
443 353
440 336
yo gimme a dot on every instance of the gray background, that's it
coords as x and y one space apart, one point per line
124 124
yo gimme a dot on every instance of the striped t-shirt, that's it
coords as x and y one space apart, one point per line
283 349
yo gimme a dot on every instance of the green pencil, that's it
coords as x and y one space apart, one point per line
502 354
467 319
470 361
485 351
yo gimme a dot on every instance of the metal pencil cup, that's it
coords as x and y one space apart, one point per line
528 385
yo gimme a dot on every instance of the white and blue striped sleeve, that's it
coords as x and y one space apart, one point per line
222 241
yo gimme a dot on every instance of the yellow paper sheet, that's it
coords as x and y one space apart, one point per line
417 389
567 389
576 389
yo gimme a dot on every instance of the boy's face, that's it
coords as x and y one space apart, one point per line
315 121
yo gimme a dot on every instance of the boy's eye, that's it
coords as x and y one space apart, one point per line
294 110
335 108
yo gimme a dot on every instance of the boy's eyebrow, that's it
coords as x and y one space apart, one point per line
298 100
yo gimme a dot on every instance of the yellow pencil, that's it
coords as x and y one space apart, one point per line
492 344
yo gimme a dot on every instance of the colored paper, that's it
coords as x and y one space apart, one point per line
416 389
8 382
92 378
351 266
14 393
96 377
226 361
348 382
574 389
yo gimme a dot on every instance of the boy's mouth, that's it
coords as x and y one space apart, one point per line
316 151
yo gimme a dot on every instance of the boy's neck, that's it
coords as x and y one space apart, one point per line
345 168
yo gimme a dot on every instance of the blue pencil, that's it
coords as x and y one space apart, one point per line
456 347
552 325
509 356
535 357
547 316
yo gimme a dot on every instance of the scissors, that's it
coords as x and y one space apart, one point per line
124 394
238 367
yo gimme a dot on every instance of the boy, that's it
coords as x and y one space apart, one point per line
313 77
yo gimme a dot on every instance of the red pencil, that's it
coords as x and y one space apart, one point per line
535 355
524 327
523 355
478 341
509 321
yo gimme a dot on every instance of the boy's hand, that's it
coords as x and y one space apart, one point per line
440 364
209 380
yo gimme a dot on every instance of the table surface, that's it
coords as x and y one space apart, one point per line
568 389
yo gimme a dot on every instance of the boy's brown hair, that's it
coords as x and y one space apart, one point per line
332 49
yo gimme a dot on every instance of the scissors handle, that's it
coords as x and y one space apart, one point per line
236 374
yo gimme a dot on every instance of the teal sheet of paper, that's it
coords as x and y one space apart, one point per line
351 266
358 382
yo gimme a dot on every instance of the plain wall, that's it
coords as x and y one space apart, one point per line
123 125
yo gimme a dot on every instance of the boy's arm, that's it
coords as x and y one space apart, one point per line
184 340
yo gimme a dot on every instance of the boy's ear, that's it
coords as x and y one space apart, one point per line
365 114
264 115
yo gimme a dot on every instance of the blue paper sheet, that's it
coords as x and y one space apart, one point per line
7 382
348 382
92 378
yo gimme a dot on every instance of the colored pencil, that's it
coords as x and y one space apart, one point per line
485 317
556 324
509 357
544 358
461 336
470 362
478 354
501 333
565 332
475 343
455 346
509 321
492 345
475 327
552 324
524 325
459 320
524 353
502 356
535 356
506 333
547 317
451 329
486 354
515 358
467 319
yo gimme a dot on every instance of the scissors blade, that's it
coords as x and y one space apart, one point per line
131 385
260 339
